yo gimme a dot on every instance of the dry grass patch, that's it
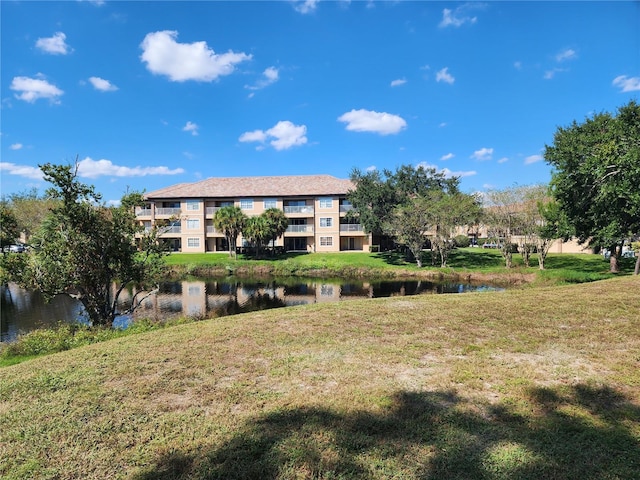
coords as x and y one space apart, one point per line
534 383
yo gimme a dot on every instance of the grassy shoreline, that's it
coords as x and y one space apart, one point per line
529 383
466 264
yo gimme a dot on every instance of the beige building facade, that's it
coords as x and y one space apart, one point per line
316 206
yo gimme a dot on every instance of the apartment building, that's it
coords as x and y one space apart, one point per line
316 206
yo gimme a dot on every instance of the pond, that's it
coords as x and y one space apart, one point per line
22 310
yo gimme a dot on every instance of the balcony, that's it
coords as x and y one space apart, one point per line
212 229
170 229
300 229
306 209
143 212
168 211
351 227
345 208
212 210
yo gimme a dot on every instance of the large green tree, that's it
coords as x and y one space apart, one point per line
596 177
89 251
258 231
230 220
377 194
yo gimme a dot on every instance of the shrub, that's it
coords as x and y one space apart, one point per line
462 241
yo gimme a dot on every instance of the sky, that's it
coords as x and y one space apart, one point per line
144 95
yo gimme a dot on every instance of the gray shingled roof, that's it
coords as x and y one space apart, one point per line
294 185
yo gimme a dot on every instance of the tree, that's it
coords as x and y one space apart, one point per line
503 219
278 224
230 220
258 231
450 211
408 224
553 226
596 177
88 251
30 210
376 195
8 226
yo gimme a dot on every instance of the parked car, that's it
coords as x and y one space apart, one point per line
14 248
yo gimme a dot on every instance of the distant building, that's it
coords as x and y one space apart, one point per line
316 206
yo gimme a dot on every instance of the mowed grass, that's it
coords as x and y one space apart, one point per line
523 384
572 268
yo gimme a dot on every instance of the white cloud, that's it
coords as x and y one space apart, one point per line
16 146
448 156
398 82
21 170
305 6
371 168
442 124
448 173
191 127
102 84
31 89
627 84
503 160
444 76
369 121
55 45
483 154
532 159
517 65
460 16
255 136
566 54
283 135
90 168
186 61
549 74
269 76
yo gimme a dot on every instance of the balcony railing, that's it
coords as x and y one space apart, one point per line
168 211
300 229
346 208
299 209
211 229
212 210
143 212
170 229
350 227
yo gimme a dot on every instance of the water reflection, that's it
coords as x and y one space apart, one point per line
205 298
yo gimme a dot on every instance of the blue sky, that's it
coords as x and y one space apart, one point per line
150 94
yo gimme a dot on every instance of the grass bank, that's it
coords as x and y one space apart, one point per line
464 263
523 384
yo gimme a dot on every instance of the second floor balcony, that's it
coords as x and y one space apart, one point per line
143 212
297 209
351 227
171 229
300 229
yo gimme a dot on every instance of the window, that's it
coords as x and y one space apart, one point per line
326 221
193 242
326 202
193 205
246 204
193 223
270 203
326 241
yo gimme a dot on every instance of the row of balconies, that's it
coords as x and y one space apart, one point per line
344 228
210 211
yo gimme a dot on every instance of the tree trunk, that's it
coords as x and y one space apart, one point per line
636 271
613 260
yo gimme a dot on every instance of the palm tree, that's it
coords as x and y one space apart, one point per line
231 221
257 230
278 223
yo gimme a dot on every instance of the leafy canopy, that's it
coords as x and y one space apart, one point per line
88 251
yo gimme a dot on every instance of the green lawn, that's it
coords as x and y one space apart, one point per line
535 383
573 268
